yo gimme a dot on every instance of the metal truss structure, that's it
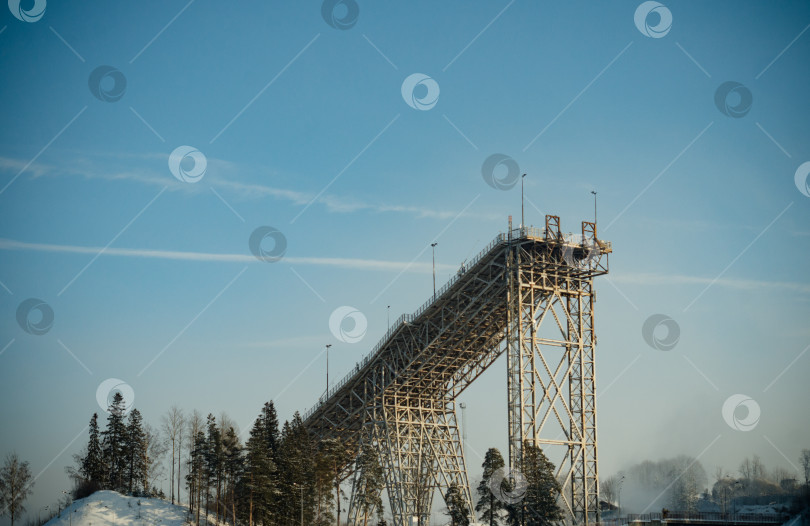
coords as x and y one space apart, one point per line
528 294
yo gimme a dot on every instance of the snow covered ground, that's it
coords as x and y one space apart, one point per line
108 508
762 509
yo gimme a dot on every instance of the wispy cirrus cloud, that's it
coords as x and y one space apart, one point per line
221 174
345 263
680 279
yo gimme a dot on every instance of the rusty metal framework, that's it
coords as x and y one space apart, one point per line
528 294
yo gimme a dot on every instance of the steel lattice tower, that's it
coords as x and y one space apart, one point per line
550 359
529 294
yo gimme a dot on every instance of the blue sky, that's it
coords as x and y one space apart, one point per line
304 128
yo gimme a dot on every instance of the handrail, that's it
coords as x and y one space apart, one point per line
573 239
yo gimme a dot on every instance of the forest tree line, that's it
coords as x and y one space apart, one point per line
279 476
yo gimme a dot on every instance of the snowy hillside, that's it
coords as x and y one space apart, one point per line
108 508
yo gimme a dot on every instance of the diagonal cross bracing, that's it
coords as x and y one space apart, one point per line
529 294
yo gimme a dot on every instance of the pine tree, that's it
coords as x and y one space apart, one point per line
456 506
196 469
296 478
92 467
258 476
193 429
234 468
488 506
214 460
369 485
332 460
114 444
136 454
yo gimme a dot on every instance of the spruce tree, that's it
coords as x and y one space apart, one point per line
296 458
196 469
258 477
136 454
539 506
272 436
92 467
488 506
214 461
114 444
194 425
456 506
234 468
269 419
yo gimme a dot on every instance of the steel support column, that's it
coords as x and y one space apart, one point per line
550 364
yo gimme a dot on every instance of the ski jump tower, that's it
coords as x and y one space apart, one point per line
528 294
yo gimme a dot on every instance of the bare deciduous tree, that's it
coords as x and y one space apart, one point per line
15 486
745 469
610 489
173 423
155 449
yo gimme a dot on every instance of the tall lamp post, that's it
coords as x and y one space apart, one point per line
621 481
389 317
522 223
433 245
594 206
327 371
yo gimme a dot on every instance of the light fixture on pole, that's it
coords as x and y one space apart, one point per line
522 223
594 206
389 317
327 369
434 269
